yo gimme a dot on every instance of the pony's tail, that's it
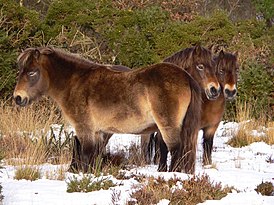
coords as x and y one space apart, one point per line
190 128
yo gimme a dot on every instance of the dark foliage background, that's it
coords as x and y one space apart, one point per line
137 33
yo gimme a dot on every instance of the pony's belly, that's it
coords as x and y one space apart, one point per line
131 124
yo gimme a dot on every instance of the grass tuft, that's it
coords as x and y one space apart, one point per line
28 173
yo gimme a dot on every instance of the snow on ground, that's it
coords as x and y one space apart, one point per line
243 168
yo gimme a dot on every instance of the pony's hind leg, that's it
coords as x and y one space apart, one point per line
162 151
208 137
171 138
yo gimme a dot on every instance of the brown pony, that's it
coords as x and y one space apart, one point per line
97 99
227 70
212 110
198 62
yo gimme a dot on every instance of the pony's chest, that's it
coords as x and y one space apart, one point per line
212 112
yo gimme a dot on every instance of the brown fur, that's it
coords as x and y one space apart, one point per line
96 99
212 110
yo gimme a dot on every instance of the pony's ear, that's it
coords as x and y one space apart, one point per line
47 50
36 54
198 49
221 54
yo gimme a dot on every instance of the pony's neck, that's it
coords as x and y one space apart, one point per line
63 73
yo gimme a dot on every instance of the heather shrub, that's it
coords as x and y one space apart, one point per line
265 189
192 191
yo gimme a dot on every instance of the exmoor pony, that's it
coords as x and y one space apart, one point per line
97 99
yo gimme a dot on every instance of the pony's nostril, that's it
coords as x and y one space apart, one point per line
18 100
213 91
234 92
21 101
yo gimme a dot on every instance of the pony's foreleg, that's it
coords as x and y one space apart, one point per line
76 149
106 137
91 148
208 137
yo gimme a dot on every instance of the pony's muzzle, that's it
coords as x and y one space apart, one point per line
213 92
230 94
21 101
230 91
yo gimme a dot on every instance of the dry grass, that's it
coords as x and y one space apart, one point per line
251 130
37 116
23 130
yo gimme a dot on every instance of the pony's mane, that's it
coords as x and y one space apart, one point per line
30 53
183 58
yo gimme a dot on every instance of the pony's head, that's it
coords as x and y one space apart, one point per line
227 73
198 62
32 79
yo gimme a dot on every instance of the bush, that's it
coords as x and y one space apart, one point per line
1 196
256 87
18 25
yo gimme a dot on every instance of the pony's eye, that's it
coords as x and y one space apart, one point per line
32 73
200 67
33 77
